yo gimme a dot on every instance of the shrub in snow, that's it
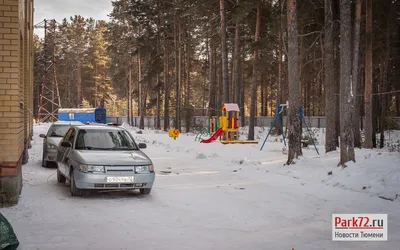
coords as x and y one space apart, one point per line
245 161
393 146
214 155
201 156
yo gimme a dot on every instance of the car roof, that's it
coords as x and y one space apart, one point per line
67 123
98 127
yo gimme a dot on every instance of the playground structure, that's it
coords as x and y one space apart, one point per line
173 133
277 118
226 127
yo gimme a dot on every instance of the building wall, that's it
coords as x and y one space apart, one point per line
16 90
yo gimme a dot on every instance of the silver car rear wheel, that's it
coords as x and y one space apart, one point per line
44 163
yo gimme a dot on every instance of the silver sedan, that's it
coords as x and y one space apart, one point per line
103 158
52 138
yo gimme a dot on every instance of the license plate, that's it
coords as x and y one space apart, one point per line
120 179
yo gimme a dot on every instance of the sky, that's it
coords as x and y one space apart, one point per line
59 9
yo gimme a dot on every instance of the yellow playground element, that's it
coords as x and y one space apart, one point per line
227 129
229 122
173 133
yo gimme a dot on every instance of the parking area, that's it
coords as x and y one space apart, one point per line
200 200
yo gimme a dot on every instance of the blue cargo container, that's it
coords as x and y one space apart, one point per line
84 115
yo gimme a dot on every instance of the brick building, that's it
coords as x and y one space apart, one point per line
16 94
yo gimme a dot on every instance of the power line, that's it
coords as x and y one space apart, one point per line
379 93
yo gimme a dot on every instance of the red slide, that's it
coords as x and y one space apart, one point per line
217 134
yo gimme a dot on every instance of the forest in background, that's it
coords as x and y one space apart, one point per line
179 58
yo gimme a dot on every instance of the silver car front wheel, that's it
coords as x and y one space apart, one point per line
74 190
60 178
145 190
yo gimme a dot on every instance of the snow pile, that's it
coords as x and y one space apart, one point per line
392 140
377 174
201 156
141 139
136 130
214 155
246 161
131 129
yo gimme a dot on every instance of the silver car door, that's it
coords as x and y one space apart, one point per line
66 154
61 151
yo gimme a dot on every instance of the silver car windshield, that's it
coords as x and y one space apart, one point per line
92 139
58 130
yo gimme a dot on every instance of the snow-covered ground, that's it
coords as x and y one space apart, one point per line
214 196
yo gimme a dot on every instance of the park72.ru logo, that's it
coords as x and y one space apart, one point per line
359 227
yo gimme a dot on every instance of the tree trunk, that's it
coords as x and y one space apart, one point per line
96 94
231 75
130 106
280 69
236 59
355 74
360 90
220 87
166 87
330 95
129 96
143 106
79 84
294 125
385 81
267 97
368 143
187 88
336 58
242 90
346 86
212 78
179 83
178 52
262 95
158 87
224 54
254 79
321 82
67 76
142 94
158 121
205 78
382 99
398 104
375 108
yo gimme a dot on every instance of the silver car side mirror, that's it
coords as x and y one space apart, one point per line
66 144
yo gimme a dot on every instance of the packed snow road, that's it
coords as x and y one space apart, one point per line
205 197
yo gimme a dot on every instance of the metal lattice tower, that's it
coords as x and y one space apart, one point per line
49 96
